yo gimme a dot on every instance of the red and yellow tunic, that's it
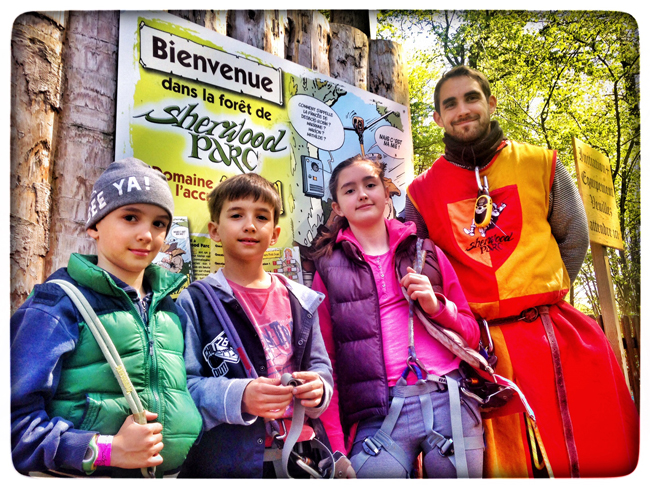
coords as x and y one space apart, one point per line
517 263
507 267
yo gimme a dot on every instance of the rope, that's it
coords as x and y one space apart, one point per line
110 353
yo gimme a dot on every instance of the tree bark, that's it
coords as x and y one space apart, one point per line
214 20
263 29
36 46
308 40
349 55
86 136
386 72
356 18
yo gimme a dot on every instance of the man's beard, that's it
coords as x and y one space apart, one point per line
477 152
470 139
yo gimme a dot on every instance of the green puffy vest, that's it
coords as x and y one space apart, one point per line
88 394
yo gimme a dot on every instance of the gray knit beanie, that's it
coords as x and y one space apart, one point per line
128 181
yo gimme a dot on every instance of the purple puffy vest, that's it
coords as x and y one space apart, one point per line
360 371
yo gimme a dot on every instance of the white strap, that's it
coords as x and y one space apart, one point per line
110 353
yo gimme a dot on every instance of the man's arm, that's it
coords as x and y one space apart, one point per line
410 213
568 221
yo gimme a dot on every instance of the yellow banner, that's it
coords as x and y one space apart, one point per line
598 195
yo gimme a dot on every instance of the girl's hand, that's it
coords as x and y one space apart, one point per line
137 446
265 397
418 287
311 391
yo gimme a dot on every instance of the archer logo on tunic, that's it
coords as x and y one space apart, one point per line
493 244
219 353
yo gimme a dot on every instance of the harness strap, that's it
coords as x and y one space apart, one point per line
227 325
460 456
372 445
297 422
456 446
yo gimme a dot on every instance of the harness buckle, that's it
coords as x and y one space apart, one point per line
446 448
529 315
370 447
277 437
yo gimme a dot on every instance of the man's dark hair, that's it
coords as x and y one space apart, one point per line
461 70
249 185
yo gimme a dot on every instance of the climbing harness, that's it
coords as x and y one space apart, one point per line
475 379
480 381
483 204
285 443
454 447
110 353
289 442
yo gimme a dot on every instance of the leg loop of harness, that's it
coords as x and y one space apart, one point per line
373 445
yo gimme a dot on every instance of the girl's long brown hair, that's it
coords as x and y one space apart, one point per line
324 244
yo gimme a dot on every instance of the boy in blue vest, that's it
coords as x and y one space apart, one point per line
68 412
235 359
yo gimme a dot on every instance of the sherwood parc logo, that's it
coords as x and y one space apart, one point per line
221 141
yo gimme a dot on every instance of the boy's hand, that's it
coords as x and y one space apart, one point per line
418 287
137 446
265 397
311 391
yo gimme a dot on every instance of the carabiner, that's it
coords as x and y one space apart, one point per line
483 187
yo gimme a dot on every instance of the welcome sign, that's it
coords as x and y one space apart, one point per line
201 107
175 55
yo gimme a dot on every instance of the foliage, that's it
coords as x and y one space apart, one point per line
556 75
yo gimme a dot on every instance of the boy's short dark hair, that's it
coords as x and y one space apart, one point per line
461 70
249 185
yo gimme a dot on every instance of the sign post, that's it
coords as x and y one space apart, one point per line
599 198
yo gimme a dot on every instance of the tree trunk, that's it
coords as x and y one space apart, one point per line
214 20
263 29
386 71
308 40
356 18
349 55
36 46
86 137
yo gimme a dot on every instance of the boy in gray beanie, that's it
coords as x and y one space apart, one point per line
68 411
128 181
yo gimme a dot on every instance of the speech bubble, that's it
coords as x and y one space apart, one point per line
316 122
180 232
389 140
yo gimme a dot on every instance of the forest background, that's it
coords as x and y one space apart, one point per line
556 75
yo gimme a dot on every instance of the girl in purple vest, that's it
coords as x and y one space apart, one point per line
393 380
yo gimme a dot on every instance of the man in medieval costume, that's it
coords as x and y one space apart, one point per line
515 273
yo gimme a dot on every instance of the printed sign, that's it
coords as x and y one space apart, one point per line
201 107
176 253
598 195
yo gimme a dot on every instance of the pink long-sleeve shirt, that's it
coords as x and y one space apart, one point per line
454 313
